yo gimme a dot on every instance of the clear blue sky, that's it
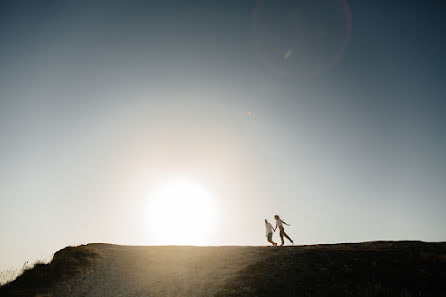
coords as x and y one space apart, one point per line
101 102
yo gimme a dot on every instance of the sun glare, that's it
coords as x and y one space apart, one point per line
180 213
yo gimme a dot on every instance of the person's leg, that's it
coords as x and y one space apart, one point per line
281 236
286 235
270 239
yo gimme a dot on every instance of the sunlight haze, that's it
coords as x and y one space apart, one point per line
190 122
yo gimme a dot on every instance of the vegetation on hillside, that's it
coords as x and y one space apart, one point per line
38 279
375 269
372 269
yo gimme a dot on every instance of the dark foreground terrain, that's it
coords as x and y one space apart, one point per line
397 269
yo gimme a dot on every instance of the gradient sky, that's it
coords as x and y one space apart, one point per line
102 102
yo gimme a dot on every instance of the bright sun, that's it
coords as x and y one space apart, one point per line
181 213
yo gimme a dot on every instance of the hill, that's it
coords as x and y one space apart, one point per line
405 268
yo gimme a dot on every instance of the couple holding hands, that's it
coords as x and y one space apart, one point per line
270 230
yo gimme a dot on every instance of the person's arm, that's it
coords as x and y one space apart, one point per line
272 227
285 223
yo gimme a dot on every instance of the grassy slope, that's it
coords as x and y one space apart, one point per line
364 269
39 279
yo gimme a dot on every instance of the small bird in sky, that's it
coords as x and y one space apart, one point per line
287 54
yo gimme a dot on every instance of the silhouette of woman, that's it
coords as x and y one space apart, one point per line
279 224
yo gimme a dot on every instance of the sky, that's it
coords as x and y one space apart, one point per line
327 112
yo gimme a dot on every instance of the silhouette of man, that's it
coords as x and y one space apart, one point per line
269 232
279 224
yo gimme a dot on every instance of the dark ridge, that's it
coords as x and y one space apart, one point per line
369 269
38 279
380 269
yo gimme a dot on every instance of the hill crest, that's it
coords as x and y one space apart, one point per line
383 268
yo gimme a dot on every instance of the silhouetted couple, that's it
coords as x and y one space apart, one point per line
270 230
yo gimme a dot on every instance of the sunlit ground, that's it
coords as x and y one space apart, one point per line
180 212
